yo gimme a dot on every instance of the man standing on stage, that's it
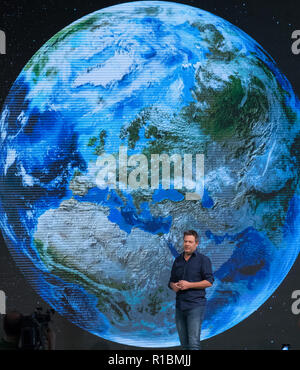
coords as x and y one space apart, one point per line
191 274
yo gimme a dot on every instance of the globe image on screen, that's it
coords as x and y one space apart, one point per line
81 210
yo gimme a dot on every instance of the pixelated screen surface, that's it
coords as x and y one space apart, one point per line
129 126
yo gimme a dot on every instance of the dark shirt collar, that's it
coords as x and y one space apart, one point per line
193 254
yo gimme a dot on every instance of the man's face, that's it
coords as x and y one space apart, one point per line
189 244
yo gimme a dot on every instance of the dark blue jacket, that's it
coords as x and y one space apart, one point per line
197 268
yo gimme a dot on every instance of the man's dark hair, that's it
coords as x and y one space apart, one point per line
12 323
193 233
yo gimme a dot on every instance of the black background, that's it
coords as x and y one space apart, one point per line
28 25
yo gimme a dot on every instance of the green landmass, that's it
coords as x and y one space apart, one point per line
92 141
98 142
215 41
149 10
131 132
51 72
225 115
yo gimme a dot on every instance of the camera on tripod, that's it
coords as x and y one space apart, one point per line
34 327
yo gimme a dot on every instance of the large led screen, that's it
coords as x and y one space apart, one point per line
130 125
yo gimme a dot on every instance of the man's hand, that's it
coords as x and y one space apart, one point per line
183 284
175 287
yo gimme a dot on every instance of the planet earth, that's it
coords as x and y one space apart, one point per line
149 79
